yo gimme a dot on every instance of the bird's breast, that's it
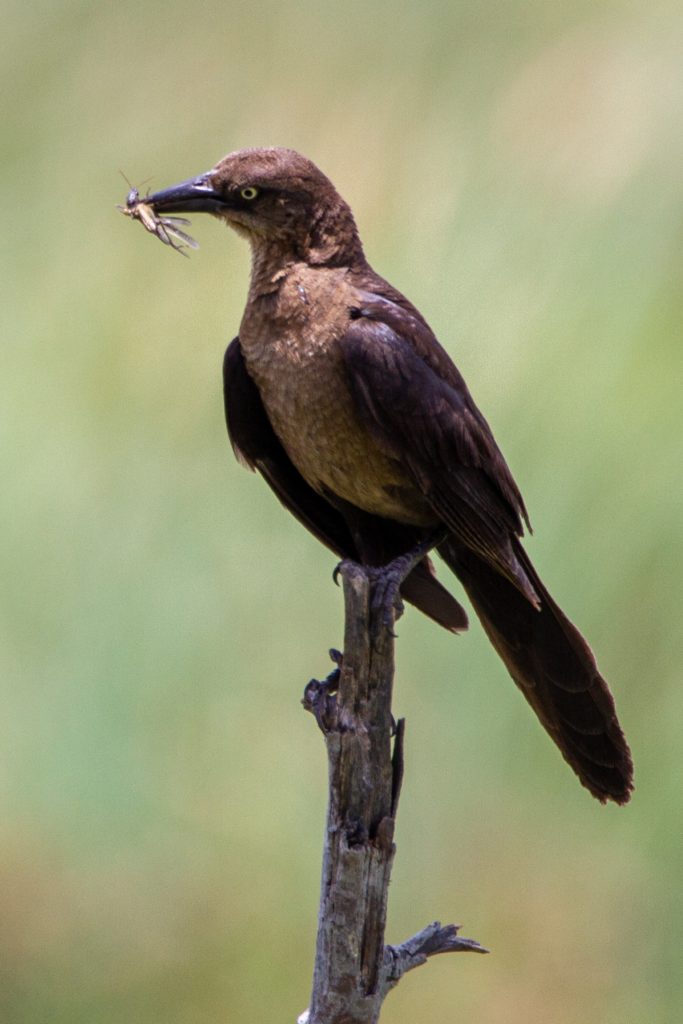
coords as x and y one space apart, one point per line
291 346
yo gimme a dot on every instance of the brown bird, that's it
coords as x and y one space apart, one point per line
338 393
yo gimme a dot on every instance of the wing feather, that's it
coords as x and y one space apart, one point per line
434 427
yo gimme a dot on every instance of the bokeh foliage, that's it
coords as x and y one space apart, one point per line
516 167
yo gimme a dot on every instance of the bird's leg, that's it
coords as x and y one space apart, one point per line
386 594
387 579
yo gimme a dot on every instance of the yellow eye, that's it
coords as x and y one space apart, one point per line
249 192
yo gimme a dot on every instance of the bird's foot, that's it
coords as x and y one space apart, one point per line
386 597
385 584
386 580
385 600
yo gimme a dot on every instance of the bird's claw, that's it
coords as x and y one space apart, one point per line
386 595
386 583
347 564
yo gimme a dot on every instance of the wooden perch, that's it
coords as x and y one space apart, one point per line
354 970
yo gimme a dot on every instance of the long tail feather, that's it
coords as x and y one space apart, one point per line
554 668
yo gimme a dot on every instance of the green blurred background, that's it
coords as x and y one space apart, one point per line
516 168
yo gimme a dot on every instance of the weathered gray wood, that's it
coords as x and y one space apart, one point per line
353 969
435 938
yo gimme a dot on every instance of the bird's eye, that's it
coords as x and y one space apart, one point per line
249 192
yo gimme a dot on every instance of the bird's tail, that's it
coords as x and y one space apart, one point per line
424 591
554 668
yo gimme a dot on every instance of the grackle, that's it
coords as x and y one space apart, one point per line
338 393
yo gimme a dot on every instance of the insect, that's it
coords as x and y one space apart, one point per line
167 229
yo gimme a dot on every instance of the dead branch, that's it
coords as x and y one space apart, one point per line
354 970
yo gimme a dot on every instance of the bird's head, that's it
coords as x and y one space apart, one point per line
276 198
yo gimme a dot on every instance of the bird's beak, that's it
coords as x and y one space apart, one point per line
194 196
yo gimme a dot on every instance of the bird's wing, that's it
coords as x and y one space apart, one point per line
414 401
257 446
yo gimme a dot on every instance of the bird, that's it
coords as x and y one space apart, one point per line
338 393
